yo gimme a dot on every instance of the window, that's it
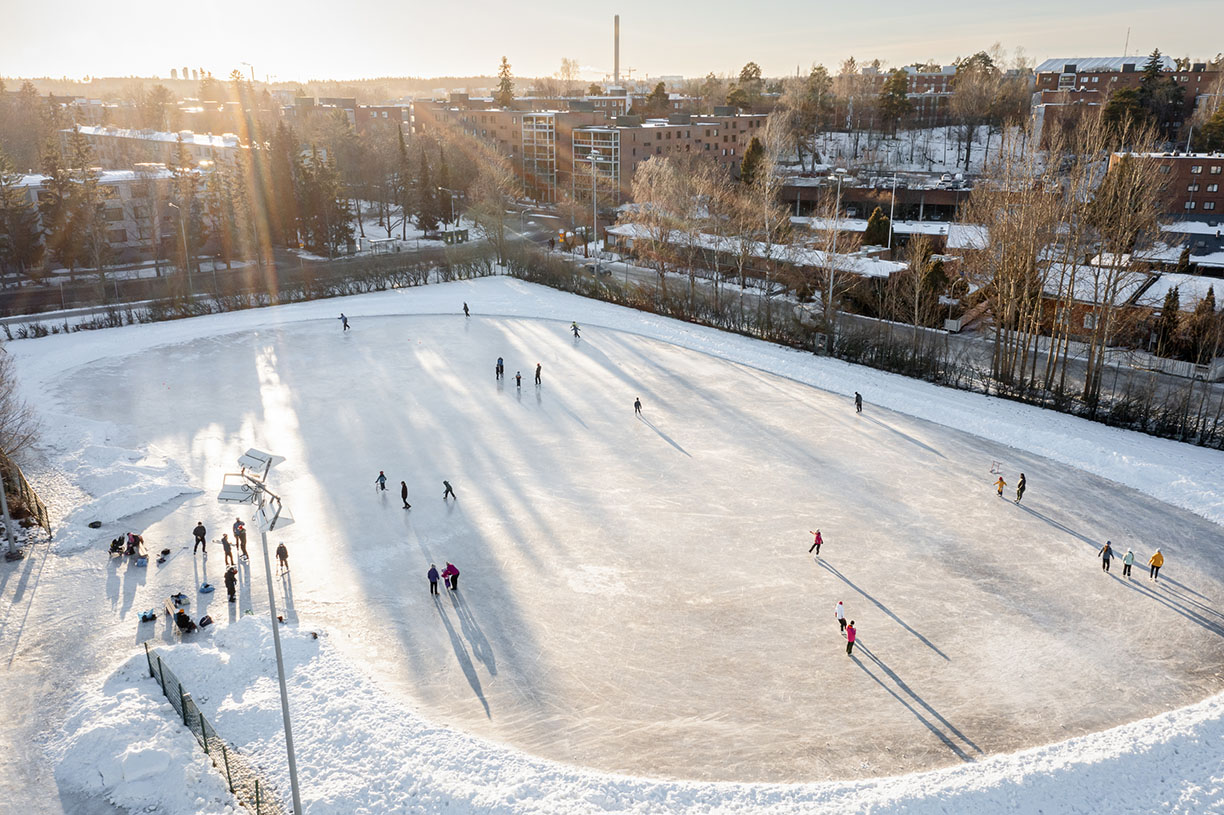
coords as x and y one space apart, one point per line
1209 205
117 235
1196 169
1090 320
1096 79
114 214
1215 169
1192 188
1189 205
1164 169
658 136
1213 188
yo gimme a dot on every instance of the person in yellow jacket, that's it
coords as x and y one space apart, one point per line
1000 484
1156 561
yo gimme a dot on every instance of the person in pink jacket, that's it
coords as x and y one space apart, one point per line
817 543
851 633
450 576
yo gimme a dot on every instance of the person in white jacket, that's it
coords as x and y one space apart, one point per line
840 613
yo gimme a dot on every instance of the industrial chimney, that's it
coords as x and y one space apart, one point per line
616 49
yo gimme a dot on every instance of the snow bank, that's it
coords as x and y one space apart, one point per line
386 758
124 743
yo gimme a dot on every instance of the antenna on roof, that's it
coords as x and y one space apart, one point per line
1127 45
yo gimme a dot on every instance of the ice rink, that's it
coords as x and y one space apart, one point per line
636 593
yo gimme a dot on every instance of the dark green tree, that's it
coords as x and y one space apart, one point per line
1160 94
55 208
657 102
1123 112
189 217
1204 329
1183 261
426 197
505 85
750 80
279 204
876 233
1210 137
594 90
1168 323
738 97
895 106
750 164
21 246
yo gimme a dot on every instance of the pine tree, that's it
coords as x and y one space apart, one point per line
895 105
876 233
185 186
444 185
20 244
1168 322
405 186
1204 329
657 103
1183 261
1211 135
426 206
280 202
1159 93
55 208
750 164
505 85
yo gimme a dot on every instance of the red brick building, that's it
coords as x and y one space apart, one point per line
1193 182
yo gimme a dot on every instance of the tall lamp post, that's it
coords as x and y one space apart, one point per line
249 486
452 200
892 208
186 257
837 176
13 552
595 154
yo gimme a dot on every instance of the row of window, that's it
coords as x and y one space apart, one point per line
1207 205
1197 169
1195 187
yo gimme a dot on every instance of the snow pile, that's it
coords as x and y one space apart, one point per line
125 744
109 482
386 758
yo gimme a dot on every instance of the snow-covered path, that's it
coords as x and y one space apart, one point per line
636 594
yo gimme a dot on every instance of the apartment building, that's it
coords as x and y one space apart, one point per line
121 148
1193 182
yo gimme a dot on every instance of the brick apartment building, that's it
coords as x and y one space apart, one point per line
1194 182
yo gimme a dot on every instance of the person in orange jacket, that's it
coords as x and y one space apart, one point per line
1000 484
1156 561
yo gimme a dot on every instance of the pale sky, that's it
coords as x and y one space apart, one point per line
314 39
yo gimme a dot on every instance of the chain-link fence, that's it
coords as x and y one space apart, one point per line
241 776
23 501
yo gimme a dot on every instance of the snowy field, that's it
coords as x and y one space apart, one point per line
636 598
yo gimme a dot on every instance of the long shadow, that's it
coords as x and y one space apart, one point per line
1172 604
942 736
663 435
905 436
113 582
461 654
903 686
467 623
824 564
1184 587
33 553
1162 585
1060 526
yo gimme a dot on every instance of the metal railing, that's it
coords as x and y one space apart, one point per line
241 776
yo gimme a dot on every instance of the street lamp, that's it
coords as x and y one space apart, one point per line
186 257
892 207
249 486
837 176
452 199
595 154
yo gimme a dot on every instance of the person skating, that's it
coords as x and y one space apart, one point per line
404 494
637 406
381 481
344 321
851 633
449 492
840 613
1106 554
231 583
537 374
433 579
228 549
518 379
1156 561
1000 484
282 557
500 370
574 328
1021 485
200 534
817 543
1127 561
240 538
466 313
451 575
858 402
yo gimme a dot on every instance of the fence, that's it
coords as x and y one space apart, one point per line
25 502
241 777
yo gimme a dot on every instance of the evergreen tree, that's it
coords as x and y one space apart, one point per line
594 90
1204 329
444 184
895 105
1210 137
751 82
1123 112
750 164
185 187
739 98
280 203
876 233
1167 323
505 85
20 243
55 208
1183 261
657 103
405 185
426 197
87 207
1160 94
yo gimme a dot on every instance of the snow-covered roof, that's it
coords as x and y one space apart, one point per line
1090 282
1195 227
1090 64
959 236
1190 289
226 140
156 171
783 253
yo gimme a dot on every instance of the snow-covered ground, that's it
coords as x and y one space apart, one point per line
920 150
636 595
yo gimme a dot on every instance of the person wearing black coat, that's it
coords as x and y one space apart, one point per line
433 579
231 583
200 535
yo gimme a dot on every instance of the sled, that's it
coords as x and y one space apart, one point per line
996 467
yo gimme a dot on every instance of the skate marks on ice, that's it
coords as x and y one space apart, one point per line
663 435
461 653
1061 527
1198 613
903 435
833 571
932 720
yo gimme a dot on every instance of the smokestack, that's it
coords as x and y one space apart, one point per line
616 48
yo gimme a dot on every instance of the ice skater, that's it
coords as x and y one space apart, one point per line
282 558
228 549
1156 561
433 579
200 538
381 481
231 583
1128 560
1020 487
451 575
344 321
851 633
858 402
816 544
574 328
466 313
518 379
1106 554
537 374
449 492
404 494
240 538
501 368
1000 484
637 406
840 613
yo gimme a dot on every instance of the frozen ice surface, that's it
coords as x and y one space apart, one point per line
636 593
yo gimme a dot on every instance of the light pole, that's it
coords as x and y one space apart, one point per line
452 200
595 154
186 257
837 176
251 488
892 207
13 552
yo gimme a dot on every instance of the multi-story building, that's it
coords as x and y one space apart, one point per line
121 148
1193 182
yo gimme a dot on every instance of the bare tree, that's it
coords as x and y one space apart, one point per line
18 423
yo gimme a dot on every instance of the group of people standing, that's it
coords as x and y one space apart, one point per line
450 575
240 540
1107 553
